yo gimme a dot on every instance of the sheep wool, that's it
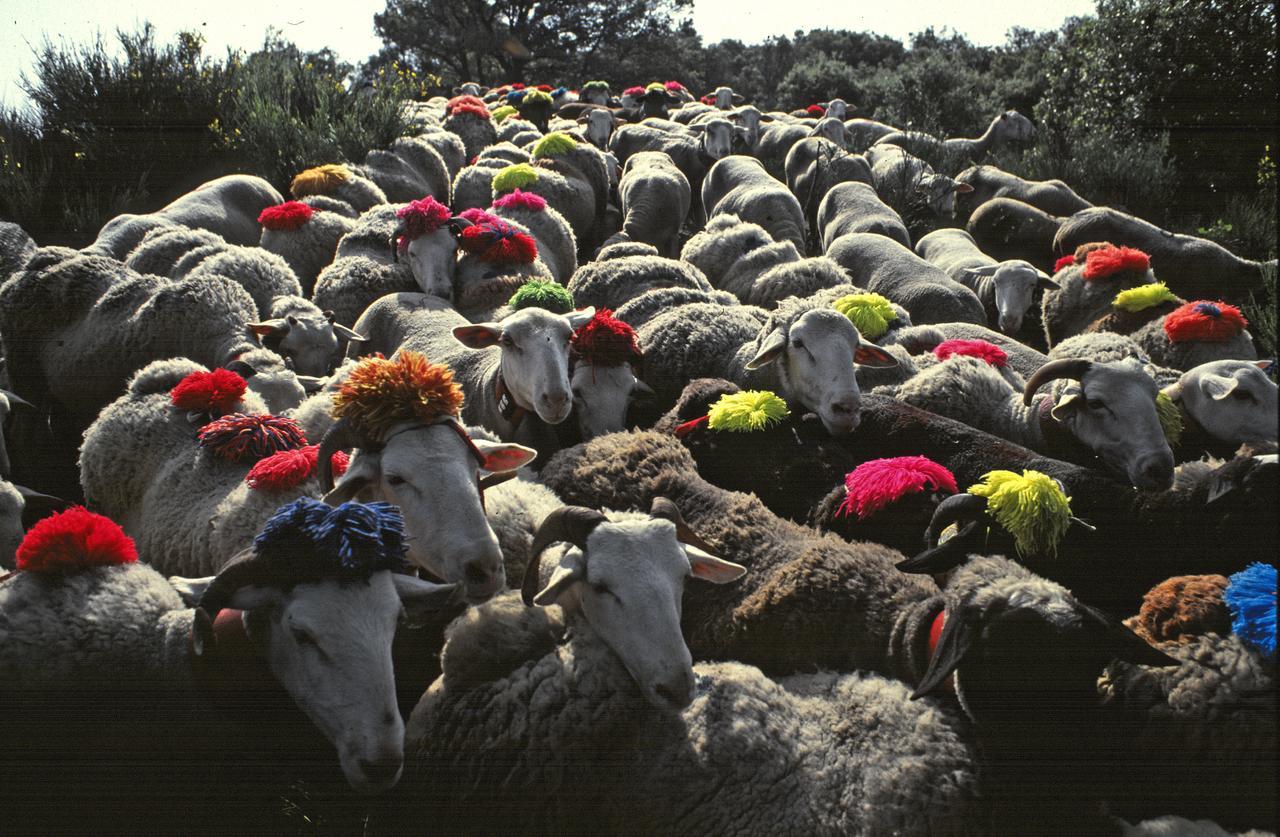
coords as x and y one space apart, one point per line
541 293
502 113
307 539
73 540
870 313
499 242
517 199
744 412
289 215
1031 507
319 180
876 484
421 218
215 392
604 340
553 144
380 392
1170 416
517 176
1144 297
983 350
1208 322
288 469
238 436
1107 261
1251 596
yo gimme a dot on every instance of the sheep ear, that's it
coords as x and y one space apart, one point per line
985 270
311 383
873 356
1068 404
577 319
350 334
953 646
764 117
1124 643
708 567
361 473
963 188
190 589
478 336
1218 387
737 98
572 569
499 458
1045 283
420 597
269 327
1265 364
769 351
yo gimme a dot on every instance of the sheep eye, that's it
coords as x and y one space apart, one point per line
507 342
1242 395
304 638
1095 405
395 479
799 344
603 590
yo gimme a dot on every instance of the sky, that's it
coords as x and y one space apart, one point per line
347 27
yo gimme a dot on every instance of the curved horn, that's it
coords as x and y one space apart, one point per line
244 570
571 524
395 238
14 398
1074 368
668 510
457 223
953 510
338 437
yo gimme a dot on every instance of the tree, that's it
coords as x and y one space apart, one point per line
496 41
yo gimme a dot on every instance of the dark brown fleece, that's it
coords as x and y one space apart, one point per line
1183 607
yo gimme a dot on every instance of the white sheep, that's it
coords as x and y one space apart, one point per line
310 338
855 207
740 186
907 183
307 241
814 165
612 282
655 197
1009 127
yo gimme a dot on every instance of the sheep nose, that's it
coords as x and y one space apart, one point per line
483 577
556 400
677 691
1156 473
381 770
845 407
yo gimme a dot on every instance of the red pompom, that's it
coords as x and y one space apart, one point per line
289 215
1110 260
519 85
981 349
288 469
1207 322
1064 262
634 92
478 216
499 242
708 100
545 88
604 340
238 437
874 485
75 539
521 200
218 391
459 102
816 110
422 217
674 86
478 111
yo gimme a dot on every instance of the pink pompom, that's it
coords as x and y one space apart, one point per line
521 200
876 484
981 349
288 469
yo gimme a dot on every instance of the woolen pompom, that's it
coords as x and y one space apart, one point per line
478 216
521 200
1170 415
1184 606
747 411
423 217
1207 322
319 180
604 340
308 539
498 242
1251 596
541 293
875 484
502 113
290 468
239 437
519 176
75 539
817 111
634 92
1143 297
465 103
674 86
1031 507
289 215
1064 262
379 392
553 144
217 391
1110 260
981 349
870 313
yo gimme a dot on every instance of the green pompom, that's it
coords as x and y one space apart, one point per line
1170 418
1031 507
869 313
1144 296
531 96
595 85
502 113
556 142
656 85
743 412
519 176
542 294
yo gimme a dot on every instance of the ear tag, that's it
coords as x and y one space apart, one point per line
948 533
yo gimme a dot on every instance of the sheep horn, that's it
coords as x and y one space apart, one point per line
14 398
571 524
457 223
668 510
244 570
952 510
1074 368
338 437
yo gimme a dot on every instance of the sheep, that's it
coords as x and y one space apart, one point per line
500 256
449 146
473 185
366 266
1021 358
161 248
729 249
855 207
639 713
1103 410
988 182
1009 127
1006 289
598 125
603 361
20 507
655 199
262 273
803 278
471 122
883 266
910 185
557 247
693 155
1087 289
814 165
805 351
611 282
1193 267
740 186
777 140
228 206
1196 333
515 373
573 178
645 306
189 509
118 630
309 337
1224 403
410 169
16 247
335 180
1006 228
863 133
307 239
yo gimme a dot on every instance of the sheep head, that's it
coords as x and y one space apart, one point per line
1016 282
1233 400
310 339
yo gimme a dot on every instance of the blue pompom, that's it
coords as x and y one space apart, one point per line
308 539
515 97
1251 596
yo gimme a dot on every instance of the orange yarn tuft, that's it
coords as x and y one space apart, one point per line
380 392
320 180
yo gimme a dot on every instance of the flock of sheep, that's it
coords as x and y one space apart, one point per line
603 464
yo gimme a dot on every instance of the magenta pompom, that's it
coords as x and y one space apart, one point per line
876 484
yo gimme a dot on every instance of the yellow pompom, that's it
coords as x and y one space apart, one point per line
1143 297
320 180
743 412
870 313
1032 507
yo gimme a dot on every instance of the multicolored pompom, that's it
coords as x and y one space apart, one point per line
239 437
